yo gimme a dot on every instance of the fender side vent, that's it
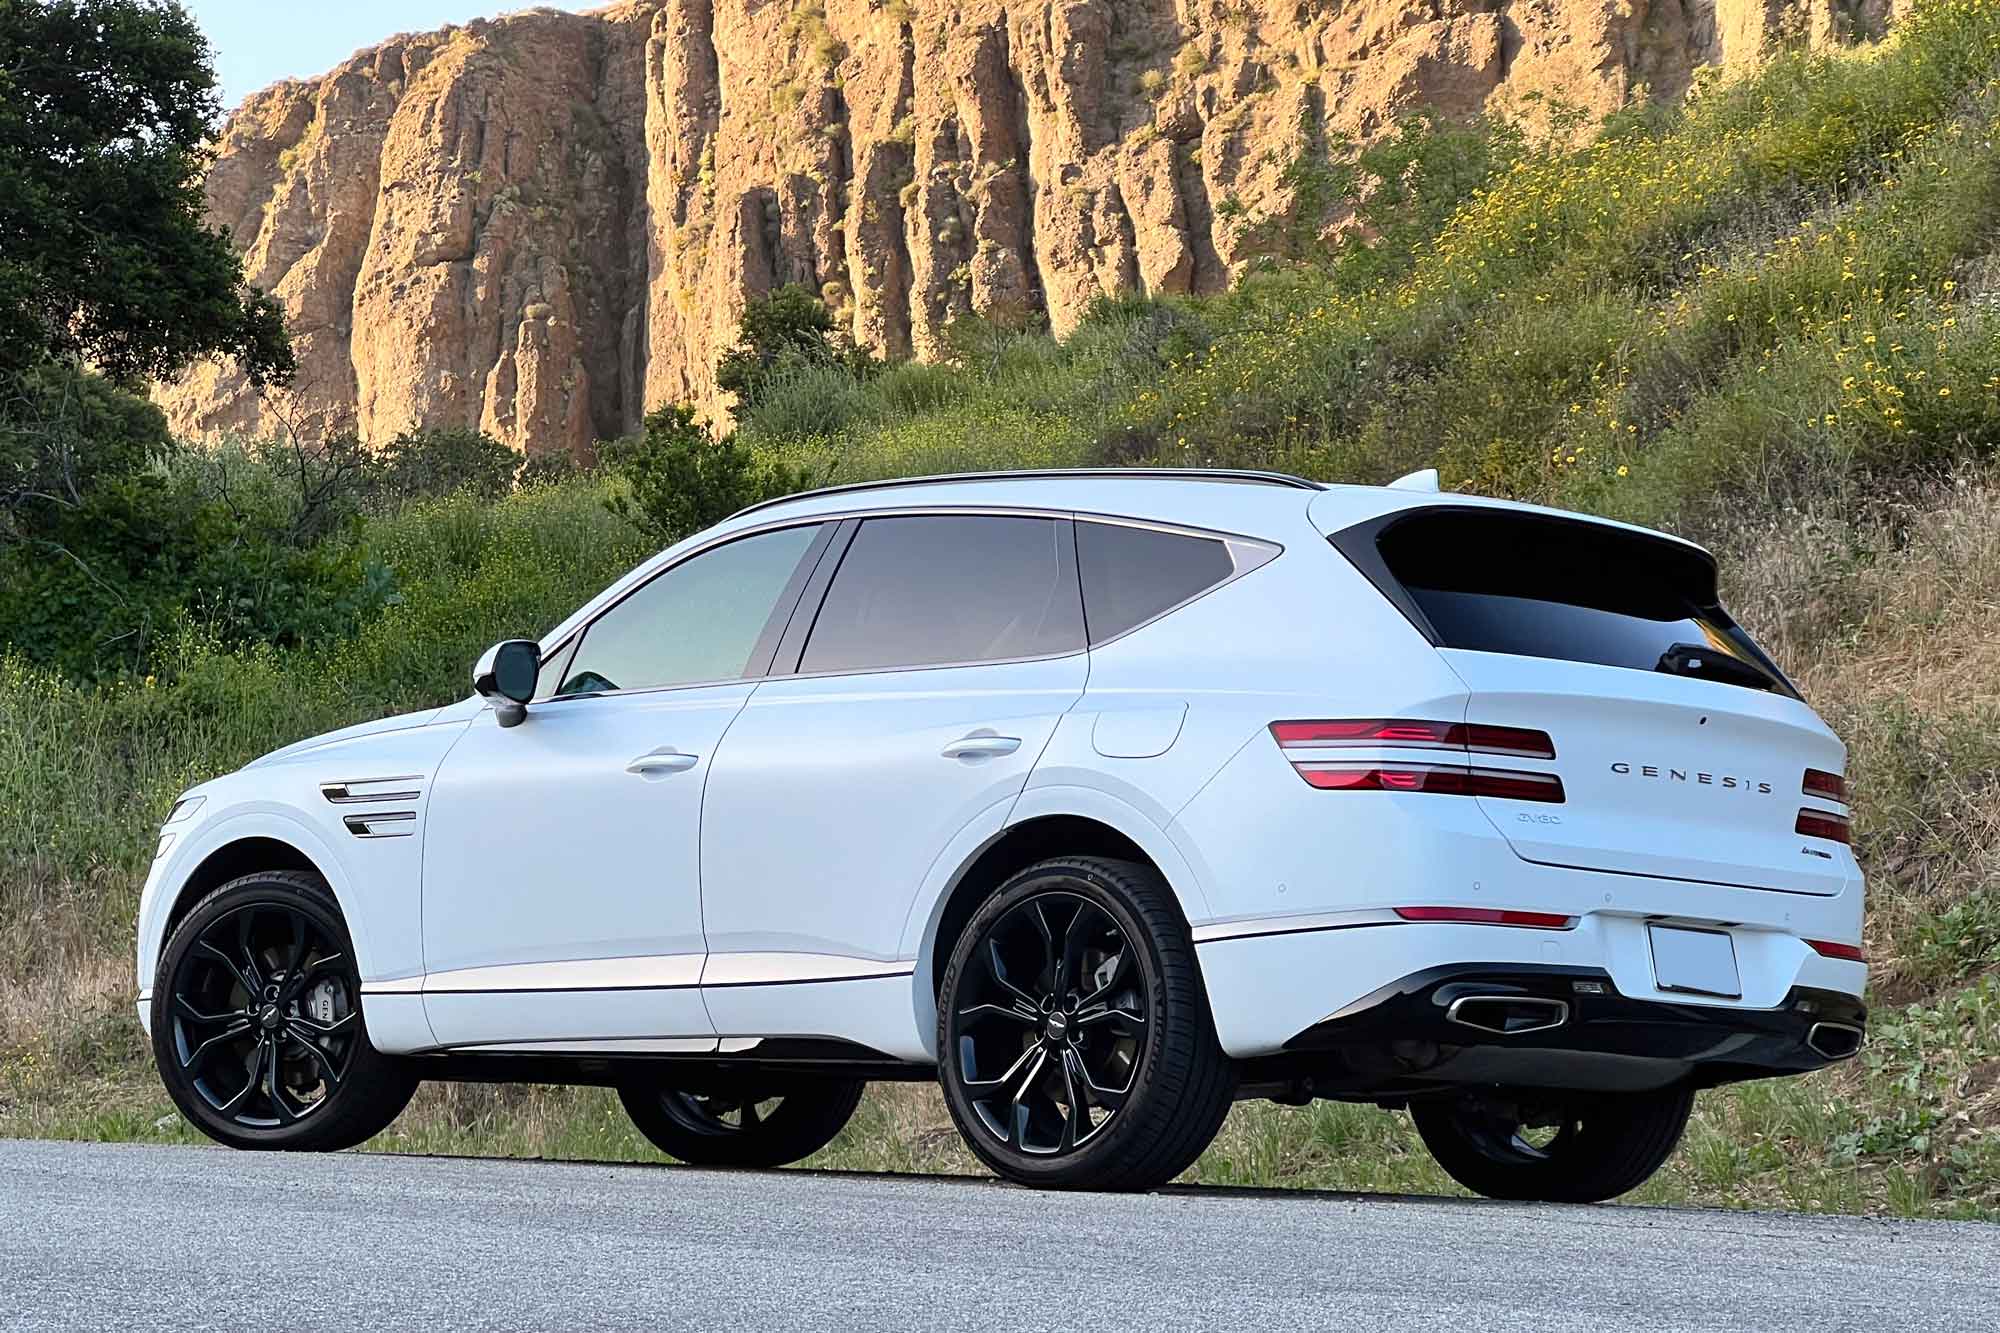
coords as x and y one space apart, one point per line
372 789
386 824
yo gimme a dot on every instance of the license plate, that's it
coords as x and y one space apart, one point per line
1702 962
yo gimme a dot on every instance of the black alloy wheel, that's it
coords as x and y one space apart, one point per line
1051 1024
257 1024
1558 1147
1074 1039
758 1119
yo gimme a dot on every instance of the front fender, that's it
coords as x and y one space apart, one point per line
381 947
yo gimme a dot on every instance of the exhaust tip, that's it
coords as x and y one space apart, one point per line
1835 1041
1509 1015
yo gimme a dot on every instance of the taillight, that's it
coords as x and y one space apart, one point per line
1852 953
1488 916
1823 824
1434 780
1476 737
1827 786
1305 742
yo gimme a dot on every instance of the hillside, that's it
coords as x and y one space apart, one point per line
542 224
1768 318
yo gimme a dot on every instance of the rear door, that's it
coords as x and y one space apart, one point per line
1682 749
943 654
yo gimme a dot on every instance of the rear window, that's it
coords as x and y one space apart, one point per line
1132 574
1568 590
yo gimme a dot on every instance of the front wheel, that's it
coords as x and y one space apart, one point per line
742 1120
1075 1044
1550 1146
257 1024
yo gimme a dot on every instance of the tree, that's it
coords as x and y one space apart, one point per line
679 478
786 330
106 108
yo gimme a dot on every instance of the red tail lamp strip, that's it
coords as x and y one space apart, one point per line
1826 786
1824 824
1475 737
1434 780
1852 953
1488 916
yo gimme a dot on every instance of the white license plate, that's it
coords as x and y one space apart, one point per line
1699 961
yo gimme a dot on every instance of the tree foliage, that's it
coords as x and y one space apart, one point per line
787 331
106 108
679 478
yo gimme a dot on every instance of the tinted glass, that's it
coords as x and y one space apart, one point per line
1131 575
701 620
1571 591
925 591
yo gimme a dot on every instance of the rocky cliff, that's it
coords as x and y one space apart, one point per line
545 223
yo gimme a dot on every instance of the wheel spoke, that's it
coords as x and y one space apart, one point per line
324 1029
1075 938
229 1033
1050 963
295 985
1121 963
188 1011
1078 1117
275 1083
1021 1113
244 920
203 945
750 1116
1108 1099
297 957
1122 1020
998 970
327 1068
1000 1011
252 1073
1002 1083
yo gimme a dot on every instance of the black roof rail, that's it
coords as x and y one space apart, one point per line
1242 475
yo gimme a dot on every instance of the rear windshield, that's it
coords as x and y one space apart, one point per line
1570 590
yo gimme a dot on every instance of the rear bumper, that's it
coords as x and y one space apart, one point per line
1547 1026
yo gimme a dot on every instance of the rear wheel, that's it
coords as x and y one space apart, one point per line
1075 1044
1555 1147
742 1120
257 1026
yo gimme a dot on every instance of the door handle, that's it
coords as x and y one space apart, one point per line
978 747
662 762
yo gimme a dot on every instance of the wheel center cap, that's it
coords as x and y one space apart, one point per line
1057 1027
269 1018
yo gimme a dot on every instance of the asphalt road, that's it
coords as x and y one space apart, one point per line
107 1236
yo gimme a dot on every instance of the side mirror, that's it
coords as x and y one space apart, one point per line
505 677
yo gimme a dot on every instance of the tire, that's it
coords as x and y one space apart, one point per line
729 1120
261 975
1065 1074
1603 1145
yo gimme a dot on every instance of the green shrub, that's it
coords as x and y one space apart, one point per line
677 478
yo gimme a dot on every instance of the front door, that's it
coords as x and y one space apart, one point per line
561 886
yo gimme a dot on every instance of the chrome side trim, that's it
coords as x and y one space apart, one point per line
659 972
356 791
387 824
602 1046
769 969
1246 928
397 986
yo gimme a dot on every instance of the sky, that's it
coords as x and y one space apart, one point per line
258 42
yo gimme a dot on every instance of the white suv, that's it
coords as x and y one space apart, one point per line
1104 798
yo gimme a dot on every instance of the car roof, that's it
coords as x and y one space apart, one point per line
1248 502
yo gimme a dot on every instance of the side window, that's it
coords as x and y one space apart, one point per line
701 620
1131 574
926 591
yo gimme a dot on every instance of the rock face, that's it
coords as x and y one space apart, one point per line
544 224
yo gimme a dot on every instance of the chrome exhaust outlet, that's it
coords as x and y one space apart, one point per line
1508 1015
1835 1041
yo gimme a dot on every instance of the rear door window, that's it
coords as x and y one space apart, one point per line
1569 590
1130 574
948 589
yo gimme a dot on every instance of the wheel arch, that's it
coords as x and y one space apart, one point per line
1054 827
233 860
